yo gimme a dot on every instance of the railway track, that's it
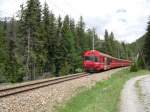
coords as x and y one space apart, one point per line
39 84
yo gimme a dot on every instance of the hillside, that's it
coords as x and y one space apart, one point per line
137 45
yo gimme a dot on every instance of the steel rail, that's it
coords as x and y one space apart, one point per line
31 86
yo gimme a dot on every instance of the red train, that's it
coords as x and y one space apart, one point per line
95 61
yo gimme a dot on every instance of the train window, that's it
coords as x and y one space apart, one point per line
91 58
109 60
87 58
96 59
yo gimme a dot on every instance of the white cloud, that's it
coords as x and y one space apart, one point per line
126 18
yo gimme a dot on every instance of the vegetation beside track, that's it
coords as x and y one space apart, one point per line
103 97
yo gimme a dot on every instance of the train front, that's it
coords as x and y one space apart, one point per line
90 61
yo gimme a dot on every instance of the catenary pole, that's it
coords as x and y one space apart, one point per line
93 39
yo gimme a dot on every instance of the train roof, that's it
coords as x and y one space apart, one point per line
97 53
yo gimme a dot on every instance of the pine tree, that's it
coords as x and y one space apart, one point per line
125 50
146 48
72 27
112 45
69 44
52 38
106 43
13 67
59 47
3 56
46 28
81 35
30 32
98 43
89 39
74 56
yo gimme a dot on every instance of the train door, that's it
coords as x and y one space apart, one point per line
105 63
109 61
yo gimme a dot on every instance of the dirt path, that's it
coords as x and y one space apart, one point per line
132 95
144 86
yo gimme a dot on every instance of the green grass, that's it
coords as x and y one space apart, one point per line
103 97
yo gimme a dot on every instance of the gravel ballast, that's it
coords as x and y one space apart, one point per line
46 98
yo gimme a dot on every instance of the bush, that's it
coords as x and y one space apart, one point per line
134 68
78 70
141 63
53 69
147 67
15 74
3 79
65 70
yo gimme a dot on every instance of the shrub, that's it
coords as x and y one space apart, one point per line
53 69
78 70
134 67
65 69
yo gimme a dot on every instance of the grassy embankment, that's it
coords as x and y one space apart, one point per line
103 97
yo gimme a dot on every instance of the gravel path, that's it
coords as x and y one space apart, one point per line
132 93
45 99
145 93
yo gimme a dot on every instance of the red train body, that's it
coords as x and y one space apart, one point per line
95 61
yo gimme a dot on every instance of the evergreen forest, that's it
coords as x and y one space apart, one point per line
39 44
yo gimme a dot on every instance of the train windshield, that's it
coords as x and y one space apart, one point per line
91 58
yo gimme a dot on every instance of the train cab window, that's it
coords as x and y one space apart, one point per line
91 58
87 58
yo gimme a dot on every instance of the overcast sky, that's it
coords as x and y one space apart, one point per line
126 18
